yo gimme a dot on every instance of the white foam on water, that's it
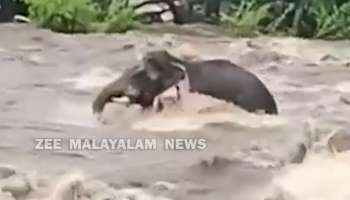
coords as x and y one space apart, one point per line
2 50
96 77
300 48
35 58
285 84
136 193
68 187
73 113
320 177
343 87
76 112
196 110
191 122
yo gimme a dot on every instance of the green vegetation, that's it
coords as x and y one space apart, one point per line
82 16
332 21
325 19
120 17
244 19
63 15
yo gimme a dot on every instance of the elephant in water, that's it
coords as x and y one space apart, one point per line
141 84
221 79
160 71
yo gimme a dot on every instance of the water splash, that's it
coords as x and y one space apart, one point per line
94 78
197 110
320 177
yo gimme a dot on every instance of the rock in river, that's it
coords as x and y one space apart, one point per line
6 171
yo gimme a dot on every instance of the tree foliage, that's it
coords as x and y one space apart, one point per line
69 16
328 19
120 17
81 16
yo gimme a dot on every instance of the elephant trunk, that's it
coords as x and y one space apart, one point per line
117 88
114 89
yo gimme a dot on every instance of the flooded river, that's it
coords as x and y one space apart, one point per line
49 80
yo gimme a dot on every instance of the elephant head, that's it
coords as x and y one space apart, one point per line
117 88
163 68
141 83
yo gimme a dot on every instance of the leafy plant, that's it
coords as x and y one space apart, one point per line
75 16
69 16
333 21
245 19
326 19
102 6
120 18
277 23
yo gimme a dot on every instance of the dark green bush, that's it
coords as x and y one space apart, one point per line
82 16
333 20
245 19
120 17
326 19
102 6
69 16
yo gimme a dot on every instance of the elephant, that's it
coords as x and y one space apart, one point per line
141 84
223 80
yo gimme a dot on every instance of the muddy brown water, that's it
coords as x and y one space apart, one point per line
49 80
